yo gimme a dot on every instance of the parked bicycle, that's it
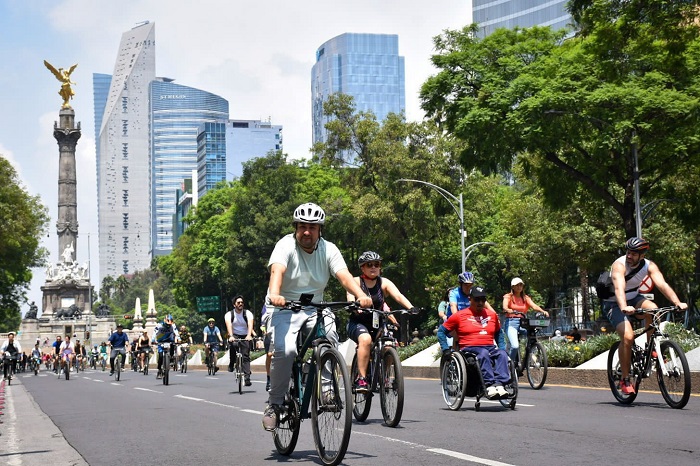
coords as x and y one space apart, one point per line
384 374
319 379
663 356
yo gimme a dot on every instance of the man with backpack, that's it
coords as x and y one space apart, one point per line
627 273
239 325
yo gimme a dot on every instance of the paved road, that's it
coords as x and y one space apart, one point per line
201 419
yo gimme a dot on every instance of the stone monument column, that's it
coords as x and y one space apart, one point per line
67 136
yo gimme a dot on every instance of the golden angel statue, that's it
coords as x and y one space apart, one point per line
62 75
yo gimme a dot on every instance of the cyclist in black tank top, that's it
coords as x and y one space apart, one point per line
360 328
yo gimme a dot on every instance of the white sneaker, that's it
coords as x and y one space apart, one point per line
502 391
491 392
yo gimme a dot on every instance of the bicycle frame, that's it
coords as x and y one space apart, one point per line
657 337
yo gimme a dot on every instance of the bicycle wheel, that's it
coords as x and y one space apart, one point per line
536 366
239 372
104 364
210 366
454 381
675 387
615 376
286 434
183 367
166 366
363 401
391 387
145 364
66 370
118 367
331 399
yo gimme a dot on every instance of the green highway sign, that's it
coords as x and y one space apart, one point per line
208 304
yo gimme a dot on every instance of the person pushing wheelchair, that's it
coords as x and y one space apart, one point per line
475 329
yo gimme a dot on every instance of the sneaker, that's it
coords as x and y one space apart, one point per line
626 387
248 383
361 385
216 369
111 372
502 392
492 392
230 368
269 420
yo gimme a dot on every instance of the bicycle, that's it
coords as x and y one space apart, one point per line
165 367
34 364
384 374
93 361
322 381
238 364
143 365
7 361
64 366
534 360
184 351
664 356
118 366
211 360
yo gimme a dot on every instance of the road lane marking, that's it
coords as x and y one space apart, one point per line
115 383
470 458
146 390
97 380
188 398
439 451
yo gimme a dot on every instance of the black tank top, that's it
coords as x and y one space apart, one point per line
377 296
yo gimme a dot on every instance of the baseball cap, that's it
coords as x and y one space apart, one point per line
517 281
478 292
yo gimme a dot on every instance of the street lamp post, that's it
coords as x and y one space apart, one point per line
449 197
471 247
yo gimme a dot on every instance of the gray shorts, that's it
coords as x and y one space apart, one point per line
615 315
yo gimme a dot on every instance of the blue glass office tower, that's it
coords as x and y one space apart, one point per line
177 112
211 155
493 14
365 66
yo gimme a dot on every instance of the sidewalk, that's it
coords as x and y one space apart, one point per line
28 437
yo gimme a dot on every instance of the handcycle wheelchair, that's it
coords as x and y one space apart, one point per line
460 377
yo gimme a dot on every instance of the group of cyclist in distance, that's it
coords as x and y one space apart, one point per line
303 261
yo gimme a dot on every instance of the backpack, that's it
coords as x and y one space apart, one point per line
604 287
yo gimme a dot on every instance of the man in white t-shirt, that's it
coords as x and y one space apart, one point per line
302 262
239 325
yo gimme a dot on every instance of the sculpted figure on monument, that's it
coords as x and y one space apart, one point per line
102 310
32 312
63 76
50 271
67 253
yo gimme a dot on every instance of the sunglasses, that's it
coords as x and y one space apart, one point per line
373 264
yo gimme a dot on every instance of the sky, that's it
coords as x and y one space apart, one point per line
257 55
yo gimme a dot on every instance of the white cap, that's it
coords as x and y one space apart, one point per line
516 281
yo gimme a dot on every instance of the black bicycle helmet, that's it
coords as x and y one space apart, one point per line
368 256
636 244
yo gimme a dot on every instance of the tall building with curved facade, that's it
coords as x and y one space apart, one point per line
493 14
176 114
367 67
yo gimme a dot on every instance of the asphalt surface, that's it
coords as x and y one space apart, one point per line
91 419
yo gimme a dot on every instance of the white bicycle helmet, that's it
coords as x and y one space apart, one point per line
368 256
309 213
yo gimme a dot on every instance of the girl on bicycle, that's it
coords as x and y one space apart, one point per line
360 328
515 306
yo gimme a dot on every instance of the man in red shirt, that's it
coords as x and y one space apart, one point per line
475 329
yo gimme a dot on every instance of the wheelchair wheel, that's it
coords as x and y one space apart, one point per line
454 380
512 388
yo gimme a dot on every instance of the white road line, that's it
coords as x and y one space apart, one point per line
252 411
440 451
115 383
188 398
97 380
146 390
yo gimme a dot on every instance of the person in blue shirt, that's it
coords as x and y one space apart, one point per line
459 297
118 341
212 340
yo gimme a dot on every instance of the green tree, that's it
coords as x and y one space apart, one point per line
23 221
576 111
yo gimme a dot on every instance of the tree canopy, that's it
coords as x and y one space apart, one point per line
23 221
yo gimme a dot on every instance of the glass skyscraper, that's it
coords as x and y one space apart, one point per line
176 114
493 14
367 67
123 162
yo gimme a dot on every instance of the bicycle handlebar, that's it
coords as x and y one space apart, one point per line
332 305
658 310
413 311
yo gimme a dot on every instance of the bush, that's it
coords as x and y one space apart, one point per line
406 352
563 354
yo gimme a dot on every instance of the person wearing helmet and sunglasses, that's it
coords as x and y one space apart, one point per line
627 273
212 339
302 262
459 296
360 328
165 332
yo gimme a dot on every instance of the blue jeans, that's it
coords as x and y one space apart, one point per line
512 330
493 363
